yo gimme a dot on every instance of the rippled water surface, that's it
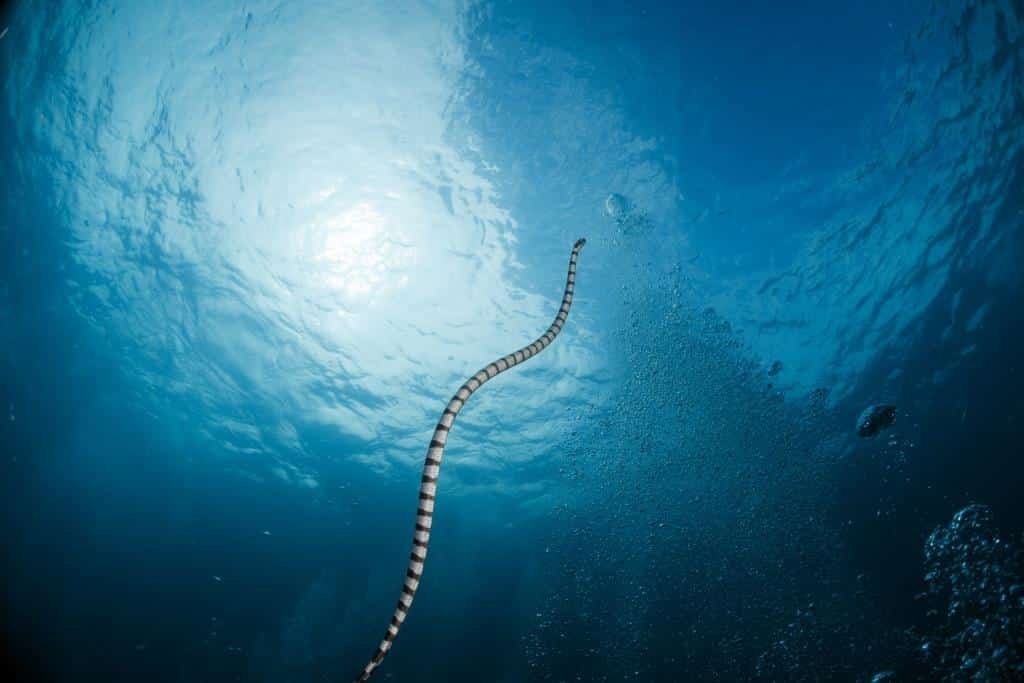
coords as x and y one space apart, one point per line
247 251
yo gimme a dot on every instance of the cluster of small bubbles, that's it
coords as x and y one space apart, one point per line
817 402
897 451
684 505
975 586
788 656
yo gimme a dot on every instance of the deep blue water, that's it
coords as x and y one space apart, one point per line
248 250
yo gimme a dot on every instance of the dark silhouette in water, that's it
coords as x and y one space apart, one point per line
874 419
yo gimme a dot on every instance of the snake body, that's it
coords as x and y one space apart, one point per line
432 464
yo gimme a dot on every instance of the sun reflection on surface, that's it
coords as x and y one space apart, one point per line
354 251
337 260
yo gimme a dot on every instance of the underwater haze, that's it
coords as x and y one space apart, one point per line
248 250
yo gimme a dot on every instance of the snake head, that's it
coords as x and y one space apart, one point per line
579 243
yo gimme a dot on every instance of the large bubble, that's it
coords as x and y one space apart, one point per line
616 206
629 219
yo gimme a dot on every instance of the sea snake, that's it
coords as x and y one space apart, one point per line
432 464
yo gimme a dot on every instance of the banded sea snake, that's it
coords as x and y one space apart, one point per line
432 464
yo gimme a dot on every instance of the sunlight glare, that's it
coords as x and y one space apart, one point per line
353 251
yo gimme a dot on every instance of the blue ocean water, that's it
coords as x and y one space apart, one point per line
249 249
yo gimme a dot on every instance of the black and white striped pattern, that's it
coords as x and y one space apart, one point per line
432 465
